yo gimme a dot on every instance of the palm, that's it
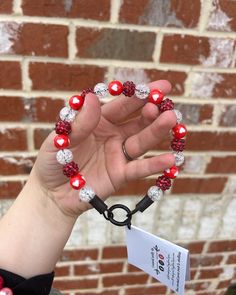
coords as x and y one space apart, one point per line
100 158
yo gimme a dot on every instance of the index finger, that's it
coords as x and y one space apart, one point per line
120 108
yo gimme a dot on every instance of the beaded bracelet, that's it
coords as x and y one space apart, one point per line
4 290
70 168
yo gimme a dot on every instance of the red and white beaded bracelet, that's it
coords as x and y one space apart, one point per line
70 168
4 290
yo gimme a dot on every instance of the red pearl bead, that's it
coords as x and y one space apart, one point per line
156 96
61 141
171 172
77 181
6 291
115 87
1 282
179 131
76 102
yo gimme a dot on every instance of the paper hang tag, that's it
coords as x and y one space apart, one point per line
163 260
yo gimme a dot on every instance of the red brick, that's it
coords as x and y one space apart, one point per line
88 9
79 254
177 79
10 189
227 87
167 13
136 187
148 290
12 109
62 271
222 165
231 259
40 134
54 76
105 292
10 75
223 284
205 260
114 252
210 273
6 6
229 8
40 39
13 139
124 279
222 246
110 44
196 286
194 247
228 116
10 165
184 49
132 268
199 185
195 113
45 109
98 268
72 284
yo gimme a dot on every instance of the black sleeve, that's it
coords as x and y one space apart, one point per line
38 285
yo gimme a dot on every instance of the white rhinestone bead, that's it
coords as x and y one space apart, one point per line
64 156
142 91
67 114
155 193
179 158
179 116
86 194
101 89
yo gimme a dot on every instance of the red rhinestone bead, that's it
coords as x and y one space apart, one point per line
115 87
70 169
163 182
129 88
77 181
171 172
166 105
61 141
76 102
86 91
63 127
156 96
1 282
6 291
179 131
178 145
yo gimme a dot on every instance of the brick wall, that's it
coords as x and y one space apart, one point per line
51 49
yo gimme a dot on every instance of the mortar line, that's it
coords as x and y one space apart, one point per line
114 11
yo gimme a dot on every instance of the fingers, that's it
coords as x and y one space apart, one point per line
140 143
121 107
148 115
146 167
86 120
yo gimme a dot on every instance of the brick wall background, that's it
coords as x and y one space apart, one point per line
50 49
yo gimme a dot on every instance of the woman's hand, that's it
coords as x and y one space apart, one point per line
96 142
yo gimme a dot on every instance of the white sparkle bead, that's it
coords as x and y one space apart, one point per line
64 156
101 89
179 158
86 194
155 193
142 91
179 116
67 114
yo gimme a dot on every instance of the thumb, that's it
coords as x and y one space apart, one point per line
86 120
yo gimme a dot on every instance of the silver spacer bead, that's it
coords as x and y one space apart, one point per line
155 193
179 158
101 90
179 116
86 194
142 91
64 156
67 114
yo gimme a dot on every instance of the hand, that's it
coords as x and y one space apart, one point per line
96 142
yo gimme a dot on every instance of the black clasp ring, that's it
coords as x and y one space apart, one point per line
110 215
